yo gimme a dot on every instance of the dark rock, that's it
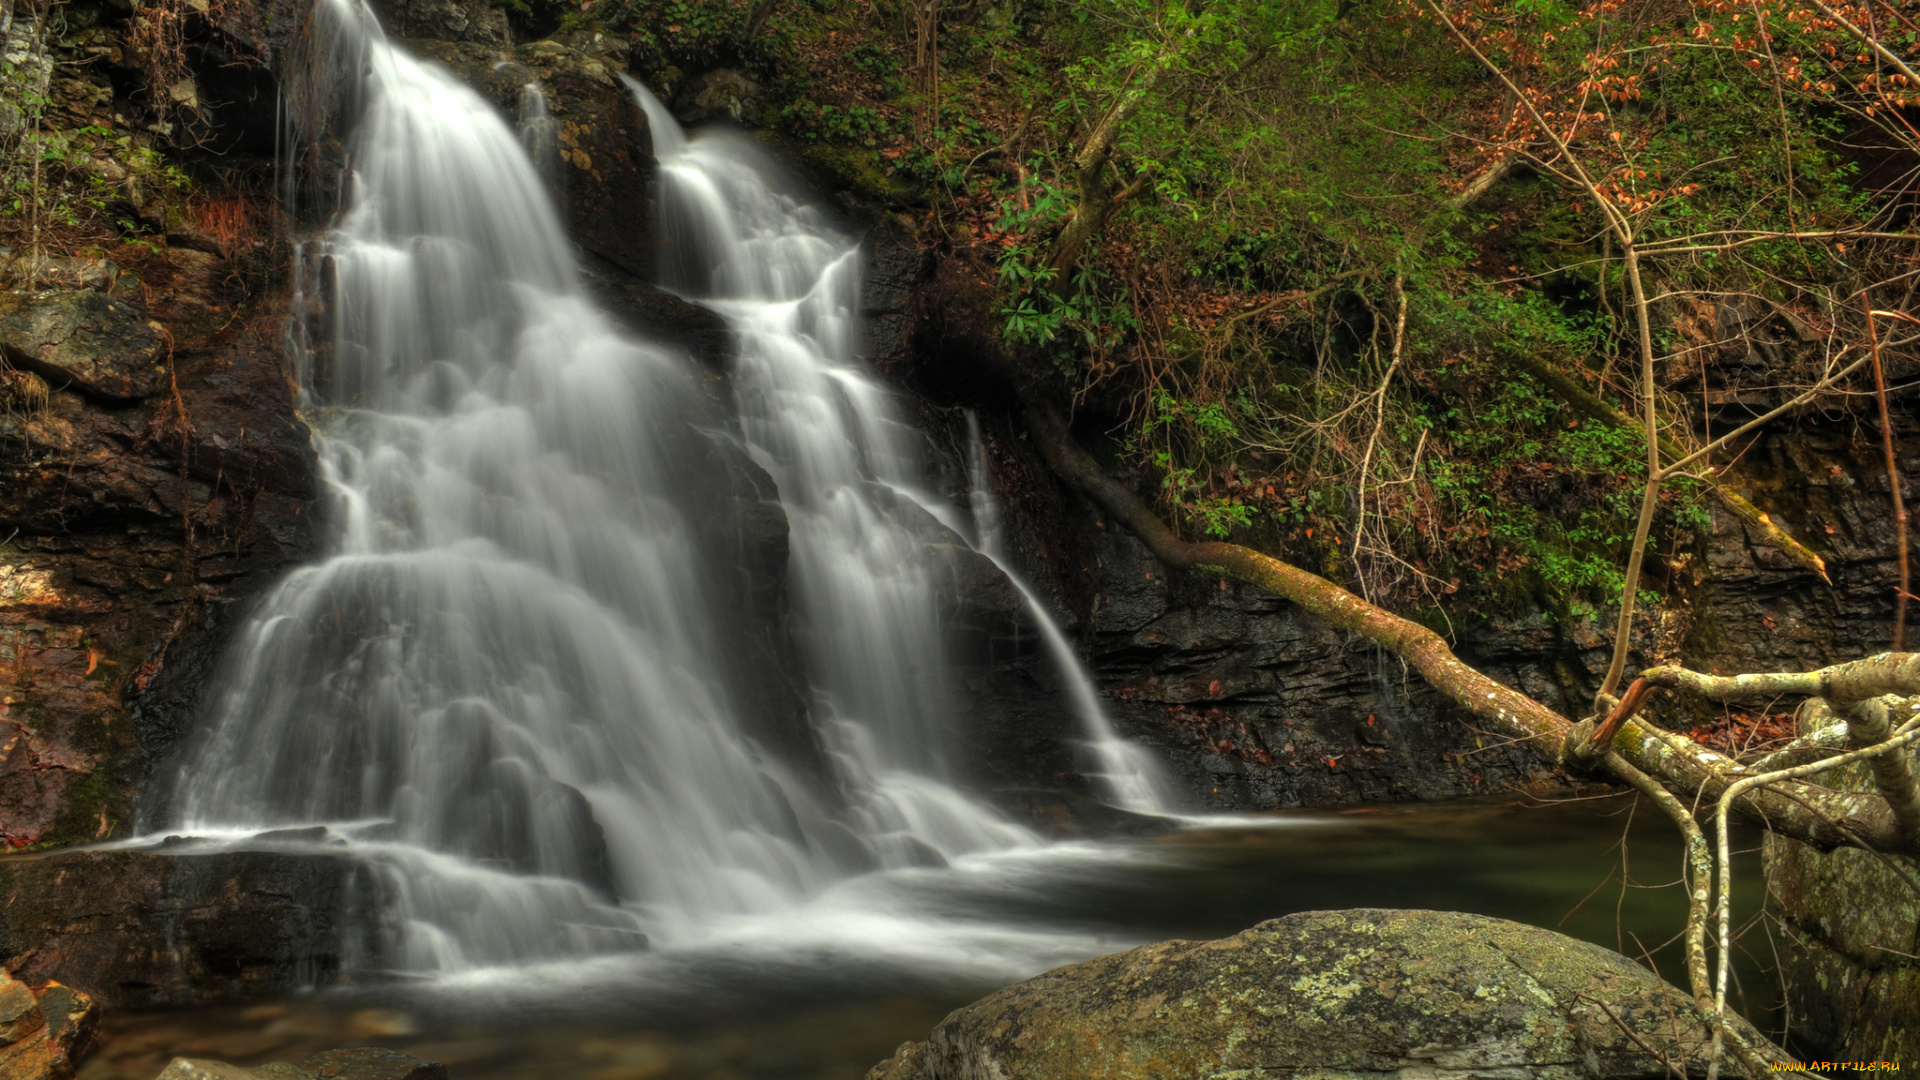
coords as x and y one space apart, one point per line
659 315
1331 993
611 49
894 268
722 94
85 339
135 528
473 21
145 928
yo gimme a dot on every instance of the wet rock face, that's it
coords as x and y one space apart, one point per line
86 340
722 95
602 163
1343 993
1258 705
146 928
445 20
1248 701
153 476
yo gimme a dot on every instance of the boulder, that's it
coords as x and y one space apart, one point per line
364 1063
85 339
1424 994
43 1032
722 95
1852 928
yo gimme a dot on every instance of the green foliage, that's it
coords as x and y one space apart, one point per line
860 124
1290 171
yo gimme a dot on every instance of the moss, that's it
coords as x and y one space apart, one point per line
856 169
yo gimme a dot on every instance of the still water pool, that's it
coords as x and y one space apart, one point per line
824 992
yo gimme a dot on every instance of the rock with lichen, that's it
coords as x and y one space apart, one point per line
1332 994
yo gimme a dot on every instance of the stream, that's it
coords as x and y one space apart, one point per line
824 993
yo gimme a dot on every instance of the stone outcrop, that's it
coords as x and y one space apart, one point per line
85 339
43 1032
474 21
1330 993
365 1063
162 927
152 475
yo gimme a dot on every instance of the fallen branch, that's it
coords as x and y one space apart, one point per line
1807 812
1484 183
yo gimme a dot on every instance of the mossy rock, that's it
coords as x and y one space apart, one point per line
1326 994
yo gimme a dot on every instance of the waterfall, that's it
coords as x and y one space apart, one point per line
849 467
1127 772
503 684
508 683
539 135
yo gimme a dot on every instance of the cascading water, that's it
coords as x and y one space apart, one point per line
505 686
1127 771
847 466
501 681
538 133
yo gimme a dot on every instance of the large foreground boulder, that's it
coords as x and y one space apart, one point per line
1330 994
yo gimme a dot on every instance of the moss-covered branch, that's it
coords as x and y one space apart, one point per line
1803 811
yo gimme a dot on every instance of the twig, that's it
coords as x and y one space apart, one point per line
1698 870
1893 483
1635 1036
1380 421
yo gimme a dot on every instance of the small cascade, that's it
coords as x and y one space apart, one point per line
537 134
848 468
1130 776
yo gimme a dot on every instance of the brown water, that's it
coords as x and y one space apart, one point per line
810 1007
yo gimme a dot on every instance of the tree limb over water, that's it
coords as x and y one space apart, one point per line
1792 807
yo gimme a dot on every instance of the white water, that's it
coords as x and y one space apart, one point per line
504 675
507 685
848 468
1128 772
